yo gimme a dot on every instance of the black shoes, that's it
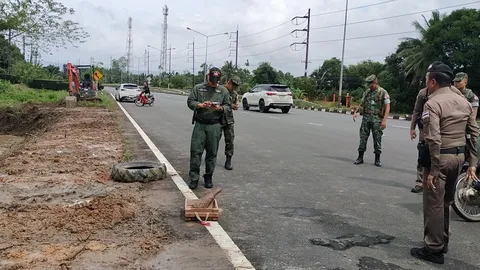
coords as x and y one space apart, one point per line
359 159
193 184
208 180
378 163
424 254
417 189
228 163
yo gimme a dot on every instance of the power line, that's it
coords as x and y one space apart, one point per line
266 30
363 37
266 52
267 41
395 16
359 7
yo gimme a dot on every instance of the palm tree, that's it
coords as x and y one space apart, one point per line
420 53
228 70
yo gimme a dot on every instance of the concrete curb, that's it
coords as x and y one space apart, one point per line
347 111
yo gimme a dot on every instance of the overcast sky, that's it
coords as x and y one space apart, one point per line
106 21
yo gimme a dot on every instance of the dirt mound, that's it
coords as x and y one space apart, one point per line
26 118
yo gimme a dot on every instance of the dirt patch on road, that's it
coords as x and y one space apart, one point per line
58 206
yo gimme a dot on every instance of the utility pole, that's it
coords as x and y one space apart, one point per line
170 64
193 61
111 69
343 54
236 50
148 62
305 42
236 47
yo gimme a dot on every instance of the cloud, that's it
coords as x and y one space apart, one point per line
106 21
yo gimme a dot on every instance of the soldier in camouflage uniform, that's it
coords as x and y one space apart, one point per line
231 85
208 101
461 80
376 107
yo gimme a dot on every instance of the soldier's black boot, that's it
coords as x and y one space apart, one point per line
193 184
228 163
208 180
359 159
378 163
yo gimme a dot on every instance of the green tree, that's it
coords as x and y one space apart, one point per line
421 53
42 21
265 73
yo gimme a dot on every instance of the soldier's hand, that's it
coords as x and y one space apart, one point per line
218 108
235 107
471 174
207 103
201 105
431 181
383 125
413 134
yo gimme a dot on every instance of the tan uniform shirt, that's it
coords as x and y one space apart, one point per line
446 116
417 110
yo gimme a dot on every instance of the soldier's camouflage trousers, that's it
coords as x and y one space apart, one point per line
366 127
229 133
204 137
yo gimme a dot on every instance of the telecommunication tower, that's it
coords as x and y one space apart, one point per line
164 58
129 45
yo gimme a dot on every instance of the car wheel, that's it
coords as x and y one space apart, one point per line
245 104
261 106
285 110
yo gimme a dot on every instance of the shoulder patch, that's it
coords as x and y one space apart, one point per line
425 115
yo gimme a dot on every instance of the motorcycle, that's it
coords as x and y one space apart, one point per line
467 196
143 99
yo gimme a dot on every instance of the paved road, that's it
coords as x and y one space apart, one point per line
294 180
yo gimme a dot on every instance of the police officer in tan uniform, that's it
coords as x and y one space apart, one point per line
416 121
446 117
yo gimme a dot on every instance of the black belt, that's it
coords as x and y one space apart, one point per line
207 121
453 151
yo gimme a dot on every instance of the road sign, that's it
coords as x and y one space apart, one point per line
149 79
97 75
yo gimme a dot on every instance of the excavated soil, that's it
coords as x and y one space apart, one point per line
57 202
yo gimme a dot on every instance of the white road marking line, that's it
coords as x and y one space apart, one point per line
320 125
273 117
400 127
234 254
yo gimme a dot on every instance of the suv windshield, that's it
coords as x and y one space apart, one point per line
280 89
130 86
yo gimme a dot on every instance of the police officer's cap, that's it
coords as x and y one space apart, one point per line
215 72
371 78
460 76
235 80
440 67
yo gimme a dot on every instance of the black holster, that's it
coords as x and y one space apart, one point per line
424 154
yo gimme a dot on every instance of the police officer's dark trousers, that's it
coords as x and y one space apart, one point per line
204 137
436 202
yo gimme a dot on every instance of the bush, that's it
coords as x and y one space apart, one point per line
14 94
49 84
11 78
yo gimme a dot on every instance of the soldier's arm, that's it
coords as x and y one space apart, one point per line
473 130
226 102
431 128
386 103
192 100
417 110
475 104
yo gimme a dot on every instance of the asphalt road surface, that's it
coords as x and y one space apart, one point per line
294 180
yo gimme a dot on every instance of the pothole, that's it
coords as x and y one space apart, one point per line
347 241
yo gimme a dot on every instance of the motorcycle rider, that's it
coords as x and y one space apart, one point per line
145 92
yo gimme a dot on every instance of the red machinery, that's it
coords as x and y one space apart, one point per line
84 88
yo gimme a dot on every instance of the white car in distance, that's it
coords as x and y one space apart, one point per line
127 92
268 96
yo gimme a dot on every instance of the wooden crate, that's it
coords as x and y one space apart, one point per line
211 210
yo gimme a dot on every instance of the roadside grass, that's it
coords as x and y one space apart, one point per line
317 104
105 101
14 94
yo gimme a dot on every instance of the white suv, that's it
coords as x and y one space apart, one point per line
127 92
268 96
